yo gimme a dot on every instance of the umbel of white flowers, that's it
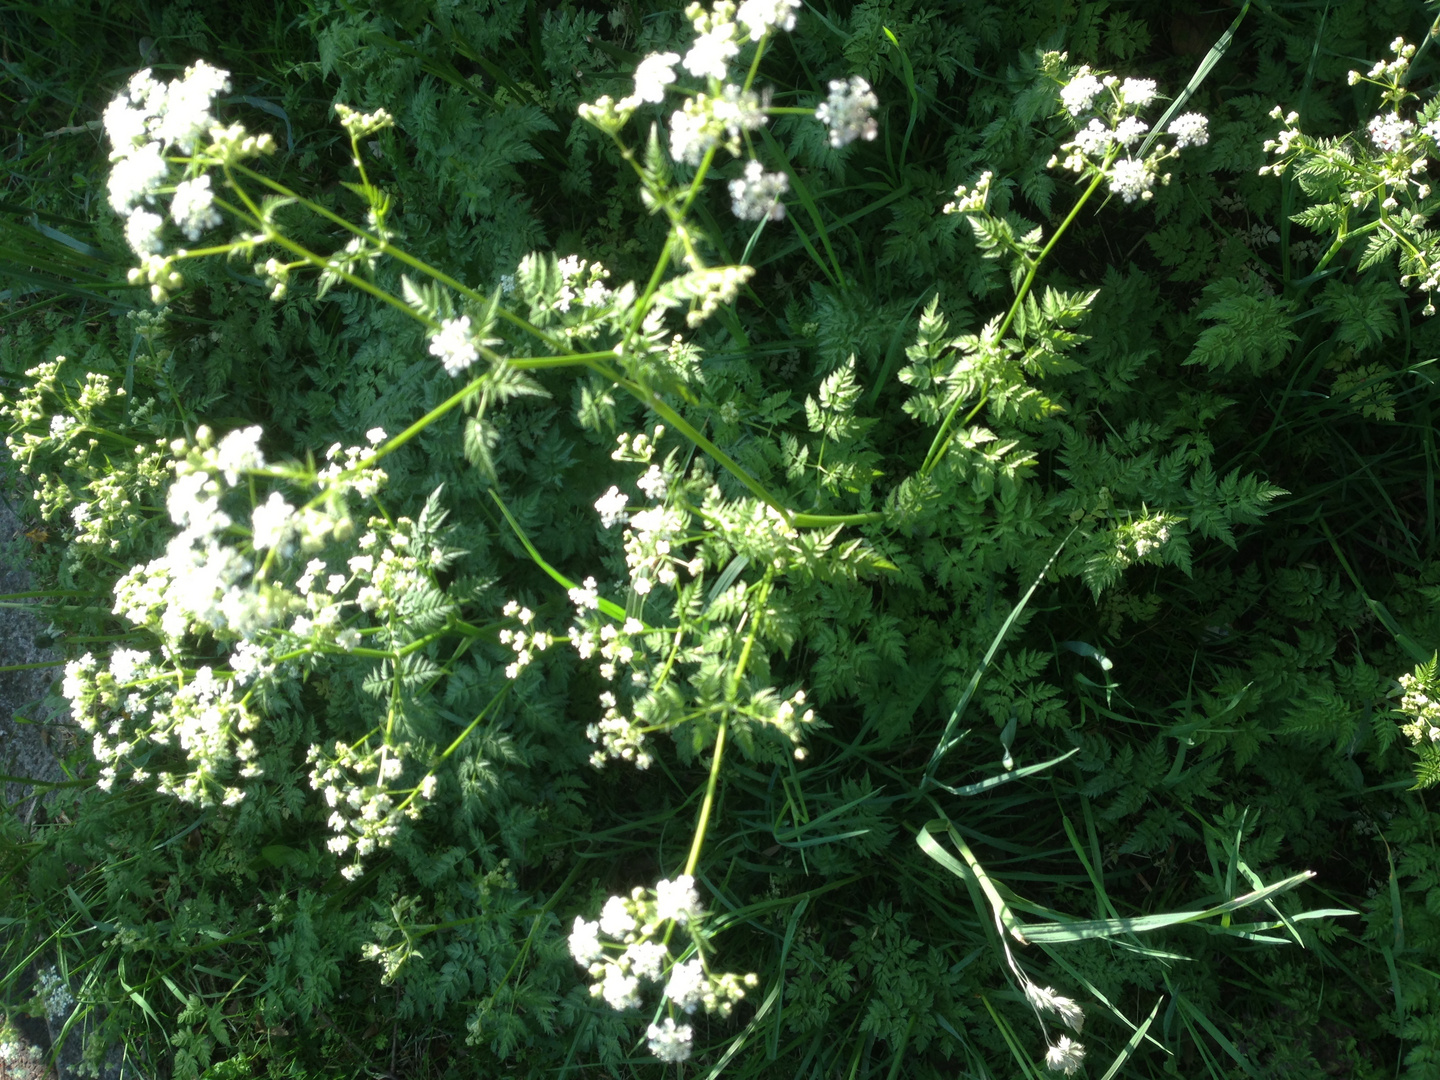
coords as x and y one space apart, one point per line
620 951
147 120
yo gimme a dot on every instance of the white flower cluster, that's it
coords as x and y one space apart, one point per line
582 282
711 287
755 196
201 582
357 785
208 584
1191 129
454 346
1080 91
1105 143
107 507
612 508
650 544
705 122
1282 144
619 737
144 121
150 117
723 113
970 200
136 704
620 952
846 112
360 124
1388 133
525 641
54 995
1388 72
1422 709
1385 167
395 569
652 75
1131 179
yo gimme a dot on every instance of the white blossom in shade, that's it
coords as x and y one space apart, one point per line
669 1041
615 918
1065 1056
1131 179
756 195
142 232
56 996
239 452
846 112
712 52
687 984
272 522
1080 91
646 959
1129 130
620 991
758 16
452 344
1137 92
654 483
677 899
1046 1000
653 74
611 508
1388 132
1192 129
193 207
585 942
740 110
137 177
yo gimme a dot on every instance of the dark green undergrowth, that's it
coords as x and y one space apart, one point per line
1220 691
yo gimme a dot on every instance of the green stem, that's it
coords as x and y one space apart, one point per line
405 257
653 401
821 521
700 826
31 667
757 613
